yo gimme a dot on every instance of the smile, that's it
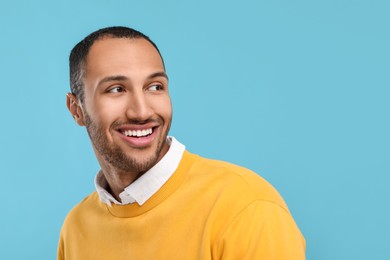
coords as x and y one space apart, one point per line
138 133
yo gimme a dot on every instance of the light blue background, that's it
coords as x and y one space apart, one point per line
297 91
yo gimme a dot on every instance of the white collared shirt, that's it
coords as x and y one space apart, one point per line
149 183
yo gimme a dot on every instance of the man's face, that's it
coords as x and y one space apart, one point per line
127 108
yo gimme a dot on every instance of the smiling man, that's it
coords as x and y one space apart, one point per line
154 199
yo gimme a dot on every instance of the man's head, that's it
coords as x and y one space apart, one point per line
80 51
120 93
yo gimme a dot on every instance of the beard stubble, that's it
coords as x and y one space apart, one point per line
114 155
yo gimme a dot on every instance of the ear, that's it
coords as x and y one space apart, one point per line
75 109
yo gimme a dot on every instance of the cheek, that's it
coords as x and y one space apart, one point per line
105 113
165 108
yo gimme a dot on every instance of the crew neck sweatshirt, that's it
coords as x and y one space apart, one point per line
207 210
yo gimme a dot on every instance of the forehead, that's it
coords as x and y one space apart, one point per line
122 56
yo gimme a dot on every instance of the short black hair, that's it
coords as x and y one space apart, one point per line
80 51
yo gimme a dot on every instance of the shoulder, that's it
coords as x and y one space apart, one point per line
236 182
253 219
83 208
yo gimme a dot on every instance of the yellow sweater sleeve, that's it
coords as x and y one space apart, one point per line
263 230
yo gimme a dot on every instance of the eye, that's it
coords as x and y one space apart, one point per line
116 89
155 87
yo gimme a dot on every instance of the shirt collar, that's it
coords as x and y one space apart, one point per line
149 183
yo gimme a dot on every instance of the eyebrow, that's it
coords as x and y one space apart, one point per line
124 78
158 74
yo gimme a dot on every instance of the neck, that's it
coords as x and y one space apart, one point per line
118 179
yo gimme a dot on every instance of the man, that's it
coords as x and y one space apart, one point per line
153 198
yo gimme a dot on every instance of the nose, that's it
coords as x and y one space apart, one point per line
138 107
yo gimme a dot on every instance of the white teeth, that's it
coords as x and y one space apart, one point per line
138 133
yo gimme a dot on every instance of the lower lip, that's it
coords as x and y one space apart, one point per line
139 142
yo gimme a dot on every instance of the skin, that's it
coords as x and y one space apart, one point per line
126 88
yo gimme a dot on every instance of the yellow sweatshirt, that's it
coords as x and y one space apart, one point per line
207 210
